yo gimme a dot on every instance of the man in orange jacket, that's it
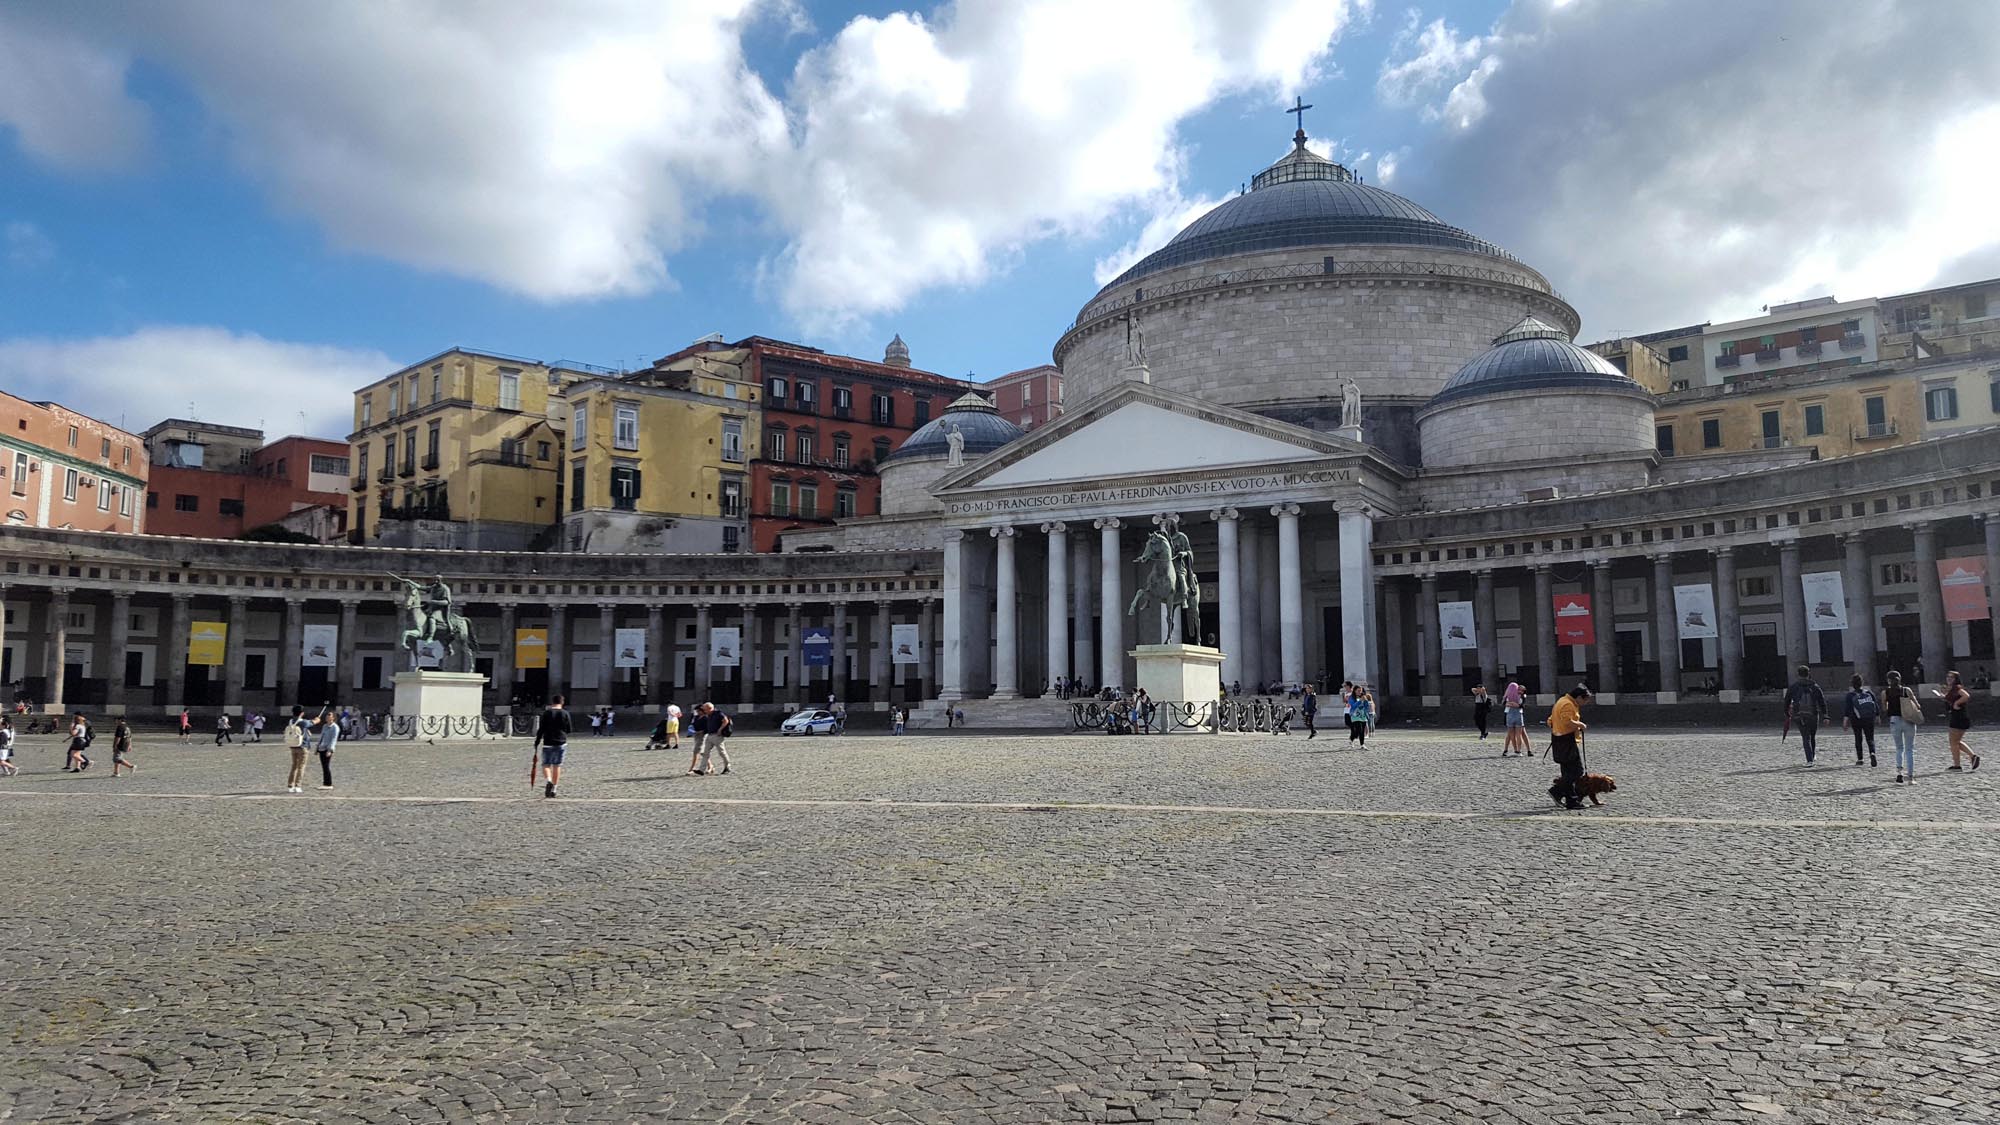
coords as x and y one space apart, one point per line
1566 727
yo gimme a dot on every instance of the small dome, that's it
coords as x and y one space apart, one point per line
897 354
976 419
1535 355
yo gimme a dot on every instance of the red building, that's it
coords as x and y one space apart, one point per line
69 470
218 482
1028 398
827 420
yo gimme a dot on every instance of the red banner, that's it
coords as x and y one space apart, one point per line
1574 623
1963 582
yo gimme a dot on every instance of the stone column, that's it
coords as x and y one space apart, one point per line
349 672
607 653
1606 622
503 656
1112 651
1291 596
558 649
1433 641
1229 603
1992 573
177 651
1006 618
1728 622
1357 621
882 673
1389 595
952 685
926 639
797 681
232 660
1667 639
702 651
840 651
659 671
1932 626
1483 614
1269 593
1859 636
1547 674
1793 596
53 669
291 640
1083 632
121 643
1250 567
746 658
1058 600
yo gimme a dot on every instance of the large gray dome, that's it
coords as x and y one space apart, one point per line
1535 355
977 421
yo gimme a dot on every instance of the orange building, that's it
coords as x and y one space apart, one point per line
218 482
69 470
1028 398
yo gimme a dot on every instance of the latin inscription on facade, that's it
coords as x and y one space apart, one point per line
1142 492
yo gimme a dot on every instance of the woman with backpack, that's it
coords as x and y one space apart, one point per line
1957 720
1905 714
1857 713
79 741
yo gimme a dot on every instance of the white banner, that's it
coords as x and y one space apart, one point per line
430 654
725 647
1456 626
1826 601
903 644
318 647
629 649
1694 607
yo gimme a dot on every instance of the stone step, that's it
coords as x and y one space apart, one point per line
995 714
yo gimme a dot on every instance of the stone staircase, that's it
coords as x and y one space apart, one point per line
1050 715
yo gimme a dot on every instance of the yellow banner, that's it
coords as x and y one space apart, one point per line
207 642
531 648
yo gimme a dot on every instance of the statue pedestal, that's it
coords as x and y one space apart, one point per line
1180 674
439 706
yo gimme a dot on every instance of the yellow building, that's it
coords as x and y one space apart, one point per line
1646 365
1831 411
1957 320
657 461
462 450
1959 391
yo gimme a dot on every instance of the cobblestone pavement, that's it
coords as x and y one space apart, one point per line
990 928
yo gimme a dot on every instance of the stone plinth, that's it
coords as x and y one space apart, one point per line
445 706
1180 674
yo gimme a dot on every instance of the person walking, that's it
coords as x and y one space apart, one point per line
552 733
1513 706
1566 730
121 748
1309 707
1482 709
673 726
187 725
1957 720
715 731
79 742
222 729
1905 715
1857 713
256 724
1805 705
897 717
7 766
295 741
1360 715
326 737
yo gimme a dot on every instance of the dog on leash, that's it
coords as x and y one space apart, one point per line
1592 785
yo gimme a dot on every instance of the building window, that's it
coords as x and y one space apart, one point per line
367 411
1711 433
437 381
125 502
732 539
1769 422
923 409
1975 305
1898 574
72 437
185 503
1755 586
625 427
510 389
543 451
843 402
805 447
843 503
104 448
809 500
1808 335
732 440
881 450
579 424
1027 394
577 479
388 457
229 507
69 484
840 443
1993 391
774 445
1677 353
103 497
409 451
395 400
806 392
1663 439
781 499
625 488
732 499
21 470
776 389
1940 404
1815 420
327 465
884 410
433 438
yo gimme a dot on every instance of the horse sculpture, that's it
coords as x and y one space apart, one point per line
439 623
1168 584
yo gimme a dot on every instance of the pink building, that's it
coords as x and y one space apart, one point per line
1030 397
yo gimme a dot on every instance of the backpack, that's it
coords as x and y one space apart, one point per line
1866 706
295 735
89 735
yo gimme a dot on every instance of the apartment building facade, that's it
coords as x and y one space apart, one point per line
221 482
1028 398
65 469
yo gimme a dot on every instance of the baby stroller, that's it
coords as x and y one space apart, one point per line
658 739
1281 721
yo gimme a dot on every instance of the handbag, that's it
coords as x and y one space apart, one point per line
1908 710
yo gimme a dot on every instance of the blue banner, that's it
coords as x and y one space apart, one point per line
819 648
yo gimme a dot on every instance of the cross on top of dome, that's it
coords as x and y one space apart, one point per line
1301 163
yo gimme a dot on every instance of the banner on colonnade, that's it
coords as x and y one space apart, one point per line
1694 609
818 646
725 647
1456 625
903 644
317 647
1826 601
531 648
1963 582
1575 624
628 648
208 641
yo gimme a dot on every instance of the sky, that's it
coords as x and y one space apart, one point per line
243 211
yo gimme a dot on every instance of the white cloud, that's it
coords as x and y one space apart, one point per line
933 151
26 246
1170 214
1433 58
175 371
64 98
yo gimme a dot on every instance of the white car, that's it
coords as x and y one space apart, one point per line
810 721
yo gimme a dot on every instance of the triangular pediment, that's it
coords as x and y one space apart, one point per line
1138 430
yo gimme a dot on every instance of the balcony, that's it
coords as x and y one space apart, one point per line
1853 342
515 458
409 469
386 474
1874 431
1773 441
1808 349
358 484
1770 355
431 463
1729 359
